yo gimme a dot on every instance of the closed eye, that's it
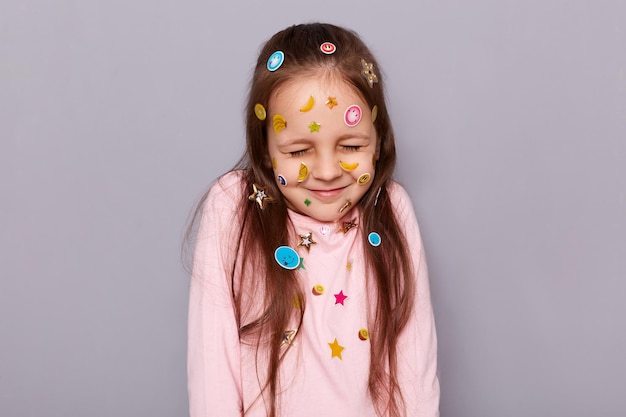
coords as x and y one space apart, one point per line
297 153
352 148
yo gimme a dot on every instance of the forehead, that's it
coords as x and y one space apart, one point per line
321 86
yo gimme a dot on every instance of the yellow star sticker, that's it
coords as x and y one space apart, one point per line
314 127
332 102
335 349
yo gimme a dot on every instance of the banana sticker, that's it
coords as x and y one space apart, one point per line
308 106
279 123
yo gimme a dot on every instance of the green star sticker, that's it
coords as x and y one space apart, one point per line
307 202
314 127
301 264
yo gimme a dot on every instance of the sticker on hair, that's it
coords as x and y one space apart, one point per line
308 106
364 179
328 48
287 257
279 123
275 60
374 239
259 110
352 116
367 70
314 127
260 196
282 181
303 173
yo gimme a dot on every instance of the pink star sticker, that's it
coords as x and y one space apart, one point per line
340 298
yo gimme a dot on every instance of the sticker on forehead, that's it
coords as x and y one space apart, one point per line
352 116
328 48
275 60
279 123
287 257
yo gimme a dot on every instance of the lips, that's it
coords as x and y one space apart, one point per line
328 194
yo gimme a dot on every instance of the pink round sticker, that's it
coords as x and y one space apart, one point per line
352 116
328 48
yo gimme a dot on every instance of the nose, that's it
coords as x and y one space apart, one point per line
326 168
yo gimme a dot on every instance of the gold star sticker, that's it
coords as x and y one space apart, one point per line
345 228
260 195
332 102
306 241
335 349
314 127
288 337
368 73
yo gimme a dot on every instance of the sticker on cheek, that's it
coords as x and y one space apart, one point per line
282 181
352 116
307 202
348 167
364 179
274 164
303 173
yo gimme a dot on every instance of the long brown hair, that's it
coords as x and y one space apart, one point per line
262 231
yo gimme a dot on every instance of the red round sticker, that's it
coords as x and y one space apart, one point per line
328 48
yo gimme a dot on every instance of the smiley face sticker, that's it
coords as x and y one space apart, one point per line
275 60
287 257
328 48
352 116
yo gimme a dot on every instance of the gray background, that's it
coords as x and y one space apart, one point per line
511 121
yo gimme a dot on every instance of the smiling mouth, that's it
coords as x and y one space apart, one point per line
328 194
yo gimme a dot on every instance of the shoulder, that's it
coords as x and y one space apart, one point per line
226 191
399 198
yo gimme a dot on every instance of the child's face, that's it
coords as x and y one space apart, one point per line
323 155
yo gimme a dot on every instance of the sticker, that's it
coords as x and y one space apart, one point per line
347 226
324 230
307 202
328 48
306 241
368 72
288 337
275 60
364 179
259 110
331 102
274 164
282 181
374 239
260 196
364 334
349 265
340 298
352 116
318 289
374 113
345 206
303 173
287 257
314 127
301 263
335 349
308 106
279 123
348 167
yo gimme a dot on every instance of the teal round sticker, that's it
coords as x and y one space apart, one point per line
287 257
374 239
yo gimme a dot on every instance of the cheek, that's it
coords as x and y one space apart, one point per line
286 171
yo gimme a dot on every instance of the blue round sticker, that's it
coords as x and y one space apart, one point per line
374 239
287 257
275 60
282 180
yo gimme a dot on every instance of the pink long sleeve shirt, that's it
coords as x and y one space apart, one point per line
326 371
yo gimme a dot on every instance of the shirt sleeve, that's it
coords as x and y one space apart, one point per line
417 359
213 358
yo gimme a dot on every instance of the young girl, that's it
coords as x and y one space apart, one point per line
309 292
